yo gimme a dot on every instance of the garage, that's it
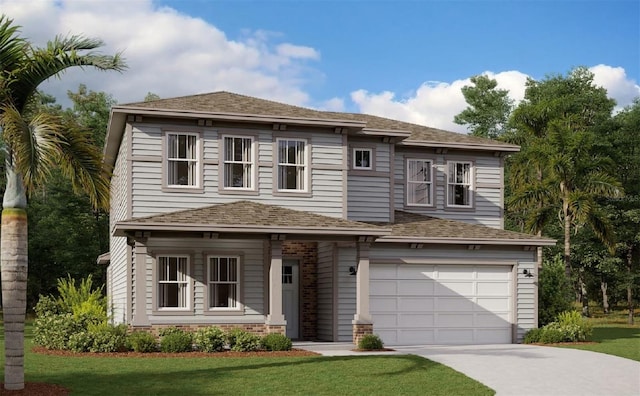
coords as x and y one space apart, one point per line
442 304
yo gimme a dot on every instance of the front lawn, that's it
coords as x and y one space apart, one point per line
619 340
91 375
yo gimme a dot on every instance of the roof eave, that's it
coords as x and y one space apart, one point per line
468 241
121 229
468 146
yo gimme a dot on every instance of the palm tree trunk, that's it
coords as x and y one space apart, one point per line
14 247
14 294
567 245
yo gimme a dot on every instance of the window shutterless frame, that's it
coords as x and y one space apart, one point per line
173 291
182 160
362 159
238 162
292 165
459 184
223 283
419 182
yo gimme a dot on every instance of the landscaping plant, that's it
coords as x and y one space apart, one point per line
370 342
209 339
174 340
276 342
141 341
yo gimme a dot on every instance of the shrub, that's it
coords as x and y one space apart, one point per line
81 341
165 331
141 341
555 294
246 342
80 298
209 339
46 306
370 342
232 335
532 336
53 331
177 341
108 338
276 342
552 333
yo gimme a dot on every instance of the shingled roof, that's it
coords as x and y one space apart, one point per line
232 103
412 227
249 217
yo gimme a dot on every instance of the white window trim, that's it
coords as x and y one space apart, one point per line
252 162
364 149
306 166
470 184
198 161
431 184
238 284
187 281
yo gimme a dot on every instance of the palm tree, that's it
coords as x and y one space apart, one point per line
34 143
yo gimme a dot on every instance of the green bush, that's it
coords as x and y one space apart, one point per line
46 306
177 341
232 335
370 342
53 331
246 342
165 331
81 341
209 339
555 294
108 338
276 342
141 341
532 336
552 334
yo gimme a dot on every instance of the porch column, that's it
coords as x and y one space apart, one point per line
362 323
140 287
275 319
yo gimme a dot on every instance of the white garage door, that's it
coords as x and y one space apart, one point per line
441 304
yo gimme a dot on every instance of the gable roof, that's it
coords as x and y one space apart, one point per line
249 217
412 227
231 106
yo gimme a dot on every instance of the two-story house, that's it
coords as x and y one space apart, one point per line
235 211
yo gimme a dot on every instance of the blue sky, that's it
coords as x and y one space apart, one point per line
403 59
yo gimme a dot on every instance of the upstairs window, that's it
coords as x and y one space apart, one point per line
419 182
182 159
223 284
459 184
292 165
238 162
362 159
173 284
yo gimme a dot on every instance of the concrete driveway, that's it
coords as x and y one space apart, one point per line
536 370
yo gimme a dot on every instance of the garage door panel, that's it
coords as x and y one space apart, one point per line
415 320
412 304
493 288
442 304
383 288
416 288
415 272
454 288
454 304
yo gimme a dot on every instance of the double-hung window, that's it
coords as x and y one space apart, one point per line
459 184
182 150
223 282
238 162
419 182
292 165
173 282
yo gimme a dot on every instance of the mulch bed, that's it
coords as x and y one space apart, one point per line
225 354
36 389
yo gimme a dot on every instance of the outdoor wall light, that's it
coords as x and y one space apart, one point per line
527 273
353 270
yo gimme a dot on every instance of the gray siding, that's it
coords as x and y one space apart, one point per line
252 279
369 195
117 279
346 293
487 206
149 199
325 291
526 300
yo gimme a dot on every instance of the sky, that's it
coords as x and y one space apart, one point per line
406 60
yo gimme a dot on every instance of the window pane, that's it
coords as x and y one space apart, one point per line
233 270
234 175
169 295
213 269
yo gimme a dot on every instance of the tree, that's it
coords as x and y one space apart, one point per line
560 171
489 108
151 97
34 144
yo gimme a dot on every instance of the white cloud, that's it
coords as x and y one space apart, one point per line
617 84
168 53
333 104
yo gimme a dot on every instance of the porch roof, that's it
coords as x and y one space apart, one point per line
249 217
416 228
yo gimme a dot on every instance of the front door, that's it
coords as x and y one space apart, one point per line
290 306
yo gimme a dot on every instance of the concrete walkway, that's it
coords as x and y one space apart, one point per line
514 369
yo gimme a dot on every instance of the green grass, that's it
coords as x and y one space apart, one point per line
374 375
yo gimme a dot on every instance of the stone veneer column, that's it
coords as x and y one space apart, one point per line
362 323
275 319
140 266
